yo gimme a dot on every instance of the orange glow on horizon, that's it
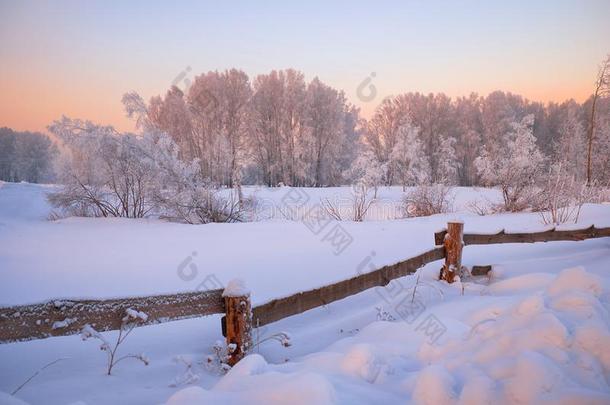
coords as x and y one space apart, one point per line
32 106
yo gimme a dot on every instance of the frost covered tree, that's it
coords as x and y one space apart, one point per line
602 89
325 114
447 165
170 114
277 126
600 165
382 133
366 170
467 130
407 157
516 169
26 156
433 114
235 98
471 121
293 127
208 121
569 147
277 129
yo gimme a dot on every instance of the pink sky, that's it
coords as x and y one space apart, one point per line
78 58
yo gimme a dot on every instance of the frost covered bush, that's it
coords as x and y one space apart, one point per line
366 171
104 173
109 174
383 315
283 338
359 204
189 376
561 197
514 168
131 319
198 205
480 207
425 200
218 362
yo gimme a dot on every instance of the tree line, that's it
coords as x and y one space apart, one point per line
26 156
280 129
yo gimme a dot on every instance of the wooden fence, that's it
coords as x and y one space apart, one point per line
549 235
66 317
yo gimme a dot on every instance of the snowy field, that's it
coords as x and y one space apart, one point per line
535 331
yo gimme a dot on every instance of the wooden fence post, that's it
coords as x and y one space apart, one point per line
453 251
238 320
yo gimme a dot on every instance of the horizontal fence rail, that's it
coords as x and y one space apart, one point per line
67 317
295 304
551 235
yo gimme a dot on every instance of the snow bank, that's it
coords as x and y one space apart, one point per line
249 381
575 279
435 385
538 348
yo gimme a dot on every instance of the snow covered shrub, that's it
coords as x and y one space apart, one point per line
218 362
479 207
331 209
383 315
109 174
366 171
562 196
515 168
183 195
188 376
198 205
251 208
283 338
131 319
361 201
427 199
104 173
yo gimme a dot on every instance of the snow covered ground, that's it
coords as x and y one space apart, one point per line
533 332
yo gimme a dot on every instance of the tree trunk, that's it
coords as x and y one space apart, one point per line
590 136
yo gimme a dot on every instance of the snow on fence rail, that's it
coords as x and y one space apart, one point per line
65 317
549 235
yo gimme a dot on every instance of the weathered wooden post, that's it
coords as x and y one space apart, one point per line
238 320
453 250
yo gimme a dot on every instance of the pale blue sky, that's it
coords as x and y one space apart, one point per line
78 57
